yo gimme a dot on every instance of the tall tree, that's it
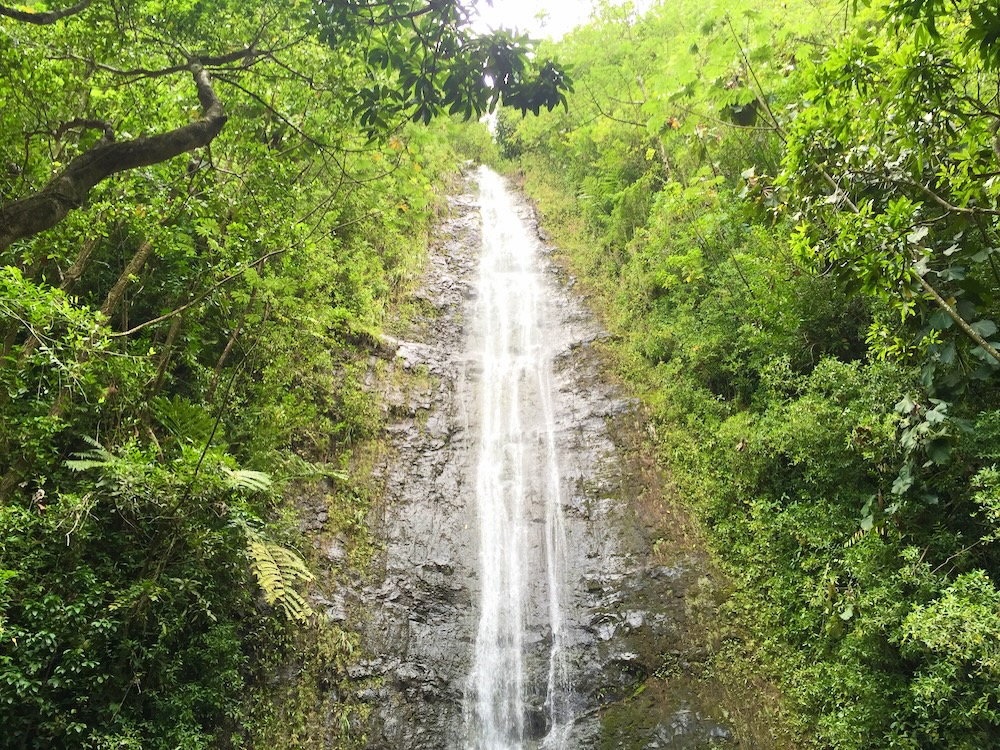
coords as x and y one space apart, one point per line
415 60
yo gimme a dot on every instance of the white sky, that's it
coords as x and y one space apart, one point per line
560 15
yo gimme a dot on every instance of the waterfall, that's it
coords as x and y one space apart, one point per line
514 699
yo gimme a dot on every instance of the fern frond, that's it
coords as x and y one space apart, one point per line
255 481
83 464
338 474
277 570
95 458
186 421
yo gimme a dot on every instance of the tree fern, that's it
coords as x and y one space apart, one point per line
278 570
245 479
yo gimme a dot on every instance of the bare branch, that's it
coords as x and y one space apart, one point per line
82 122
45 18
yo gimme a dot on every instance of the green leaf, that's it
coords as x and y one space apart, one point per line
917 235
941 321
939 451
984 328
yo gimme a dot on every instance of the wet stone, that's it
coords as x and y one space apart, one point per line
421 618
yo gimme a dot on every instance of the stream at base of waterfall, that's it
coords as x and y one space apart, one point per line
514 594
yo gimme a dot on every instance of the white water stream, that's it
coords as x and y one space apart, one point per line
517 595
515 700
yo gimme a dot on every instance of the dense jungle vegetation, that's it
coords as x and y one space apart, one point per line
788 214
206 210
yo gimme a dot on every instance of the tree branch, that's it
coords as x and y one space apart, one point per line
948 310
199 298
70 188
132 268
247 54
759 93
944 203
83 122
301 133
45 18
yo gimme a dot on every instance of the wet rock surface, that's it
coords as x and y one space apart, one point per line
626 614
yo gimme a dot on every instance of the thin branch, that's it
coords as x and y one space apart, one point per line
945 204
701 115
215 427
199 298
247 54
961 552
255 263
950 311
298 131
608 115
83 122
836 189
760 89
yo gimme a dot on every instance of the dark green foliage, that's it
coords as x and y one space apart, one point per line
424 60
177 349
827 415
129 610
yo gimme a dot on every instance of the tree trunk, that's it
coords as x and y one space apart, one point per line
133 267
75 271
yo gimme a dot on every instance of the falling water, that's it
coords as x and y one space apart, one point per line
514 699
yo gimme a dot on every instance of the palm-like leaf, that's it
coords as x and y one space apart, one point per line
277 570
94 458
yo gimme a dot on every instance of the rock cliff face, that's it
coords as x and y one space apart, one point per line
623 612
